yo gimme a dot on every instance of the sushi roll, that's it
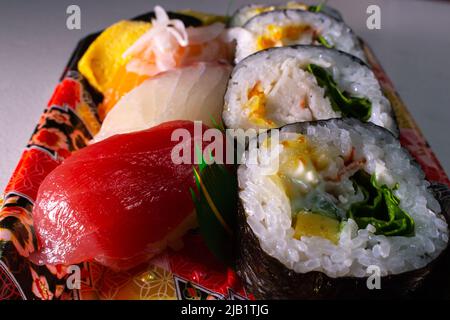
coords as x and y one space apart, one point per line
245 13
290 27
325 204
284 85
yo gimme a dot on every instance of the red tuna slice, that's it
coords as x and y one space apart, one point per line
119 201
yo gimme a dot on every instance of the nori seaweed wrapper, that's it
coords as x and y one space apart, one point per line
267 278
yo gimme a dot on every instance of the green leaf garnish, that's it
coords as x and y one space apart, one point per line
324 42
317 8
215 202
199 155
352 107
379 208
217 124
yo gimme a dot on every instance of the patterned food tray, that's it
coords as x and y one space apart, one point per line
67 124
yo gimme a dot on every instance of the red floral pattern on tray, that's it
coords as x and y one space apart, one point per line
9 290
68 93
417 145
195 263
33 167
67 124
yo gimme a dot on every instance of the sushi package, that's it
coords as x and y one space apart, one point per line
337 183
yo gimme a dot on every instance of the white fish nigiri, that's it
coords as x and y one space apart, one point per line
192 93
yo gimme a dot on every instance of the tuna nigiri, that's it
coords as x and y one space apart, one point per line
190 93
119 201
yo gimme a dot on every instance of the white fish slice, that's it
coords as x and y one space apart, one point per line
190 93
203 93
177 104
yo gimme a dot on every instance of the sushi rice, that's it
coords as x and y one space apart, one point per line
292 94
290 27
267 204
245 13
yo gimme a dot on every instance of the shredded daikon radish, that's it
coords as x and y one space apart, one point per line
166 45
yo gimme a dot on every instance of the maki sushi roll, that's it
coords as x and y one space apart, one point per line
284 85
290 27
245 13
323 204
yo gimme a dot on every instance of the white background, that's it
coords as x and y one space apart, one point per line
413 46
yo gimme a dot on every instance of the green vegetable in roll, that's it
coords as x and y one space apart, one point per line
353 107
379 208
